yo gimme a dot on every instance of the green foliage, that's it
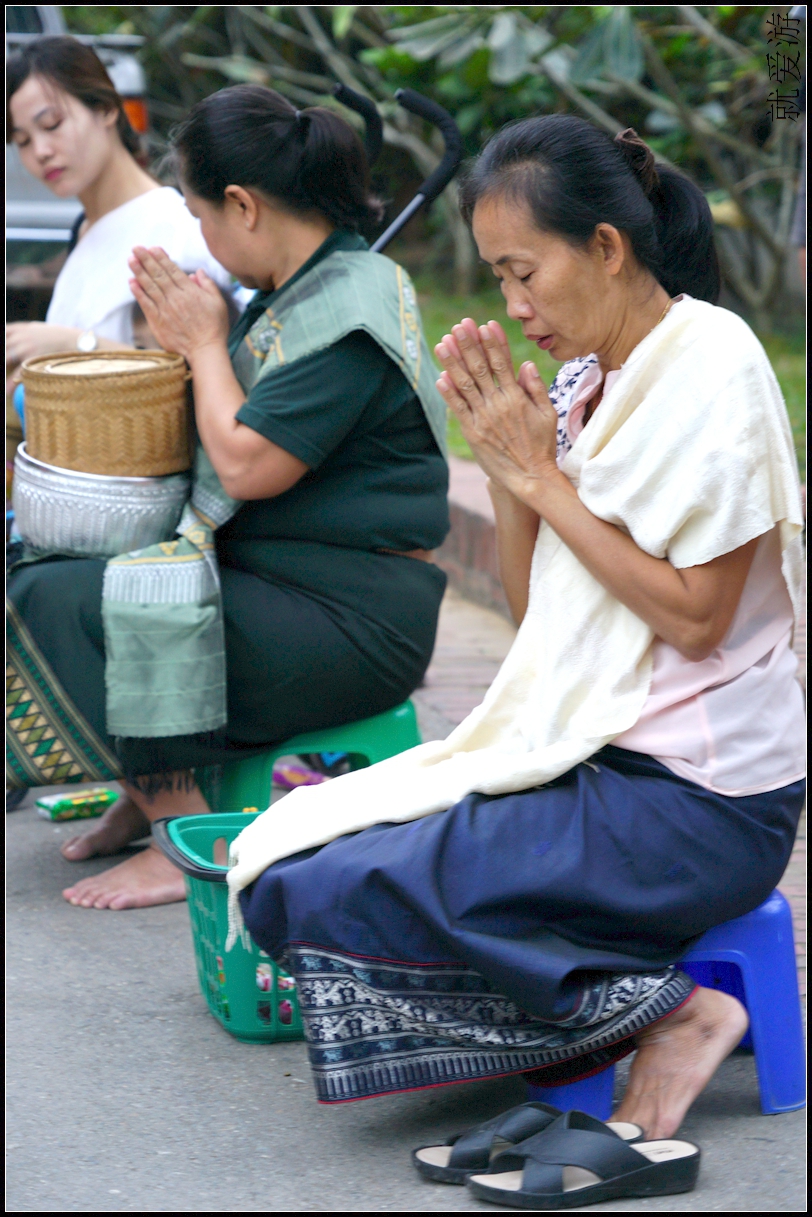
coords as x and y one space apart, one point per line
613 47
693 80
787 354
342 20
98 19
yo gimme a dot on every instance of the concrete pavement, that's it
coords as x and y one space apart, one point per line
125 1095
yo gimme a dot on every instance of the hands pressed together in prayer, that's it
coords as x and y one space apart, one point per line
184 312
188 315
508 421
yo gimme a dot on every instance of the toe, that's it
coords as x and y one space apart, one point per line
74 849
81 895
121 901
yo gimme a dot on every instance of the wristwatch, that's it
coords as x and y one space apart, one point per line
87 341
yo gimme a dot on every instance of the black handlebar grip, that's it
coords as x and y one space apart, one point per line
373 137
423 107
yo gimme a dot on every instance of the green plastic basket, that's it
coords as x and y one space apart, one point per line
246 992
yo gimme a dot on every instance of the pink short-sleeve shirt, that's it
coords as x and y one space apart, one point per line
734 722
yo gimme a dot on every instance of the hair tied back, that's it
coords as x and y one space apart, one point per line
639 158
306 160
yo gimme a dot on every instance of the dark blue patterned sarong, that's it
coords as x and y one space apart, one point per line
527 932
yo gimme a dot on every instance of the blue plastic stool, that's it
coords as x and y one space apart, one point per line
592 1095
752 958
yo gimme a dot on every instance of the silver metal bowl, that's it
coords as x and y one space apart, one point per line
91 516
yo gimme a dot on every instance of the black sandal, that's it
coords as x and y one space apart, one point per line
472 1151
579 1160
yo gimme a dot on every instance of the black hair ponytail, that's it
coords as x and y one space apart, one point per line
306 160
573 177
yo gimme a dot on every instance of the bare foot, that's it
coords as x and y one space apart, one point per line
120 824
677 1057
142 881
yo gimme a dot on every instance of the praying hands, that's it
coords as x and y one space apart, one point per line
508 421
184 312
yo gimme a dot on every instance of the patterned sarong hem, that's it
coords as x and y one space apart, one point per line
377 1028
48 742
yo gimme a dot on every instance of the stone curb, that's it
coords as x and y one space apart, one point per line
468 554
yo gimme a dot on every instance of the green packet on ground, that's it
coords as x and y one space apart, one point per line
79 806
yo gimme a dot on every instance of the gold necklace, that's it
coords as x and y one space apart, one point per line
663 315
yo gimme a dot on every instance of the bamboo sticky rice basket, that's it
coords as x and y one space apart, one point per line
116 413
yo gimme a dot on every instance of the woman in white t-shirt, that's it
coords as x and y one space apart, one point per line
69 125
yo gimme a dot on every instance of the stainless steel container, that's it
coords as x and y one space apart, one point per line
91 516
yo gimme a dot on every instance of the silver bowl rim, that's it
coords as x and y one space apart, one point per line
26 458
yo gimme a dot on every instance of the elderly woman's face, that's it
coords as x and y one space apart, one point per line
565 297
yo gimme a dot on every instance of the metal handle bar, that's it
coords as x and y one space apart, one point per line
373 136
437 181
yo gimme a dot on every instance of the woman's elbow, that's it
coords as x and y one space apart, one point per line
244 486
248 483
234 476
696 641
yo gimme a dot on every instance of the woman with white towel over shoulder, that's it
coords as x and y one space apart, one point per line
69 125
516 898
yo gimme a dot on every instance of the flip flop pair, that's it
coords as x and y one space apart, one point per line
576 1160
471 1152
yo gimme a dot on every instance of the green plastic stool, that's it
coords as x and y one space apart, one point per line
247 783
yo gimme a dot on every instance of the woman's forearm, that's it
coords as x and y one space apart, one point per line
248 465
691 609
517 527
218 398
27 339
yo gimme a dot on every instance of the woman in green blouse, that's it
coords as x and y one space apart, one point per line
320 483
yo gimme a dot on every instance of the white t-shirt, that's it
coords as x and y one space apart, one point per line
92 291
734 722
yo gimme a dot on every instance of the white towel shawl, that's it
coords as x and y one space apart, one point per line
691 453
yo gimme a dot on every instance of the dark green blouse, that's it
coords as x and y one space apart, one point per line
376 478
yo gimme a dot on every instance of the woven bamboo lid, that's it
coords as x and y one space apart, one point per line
119 413
87 366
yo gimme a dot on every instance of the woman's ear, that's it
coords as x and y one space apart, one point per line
109 118
611 247
245 204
